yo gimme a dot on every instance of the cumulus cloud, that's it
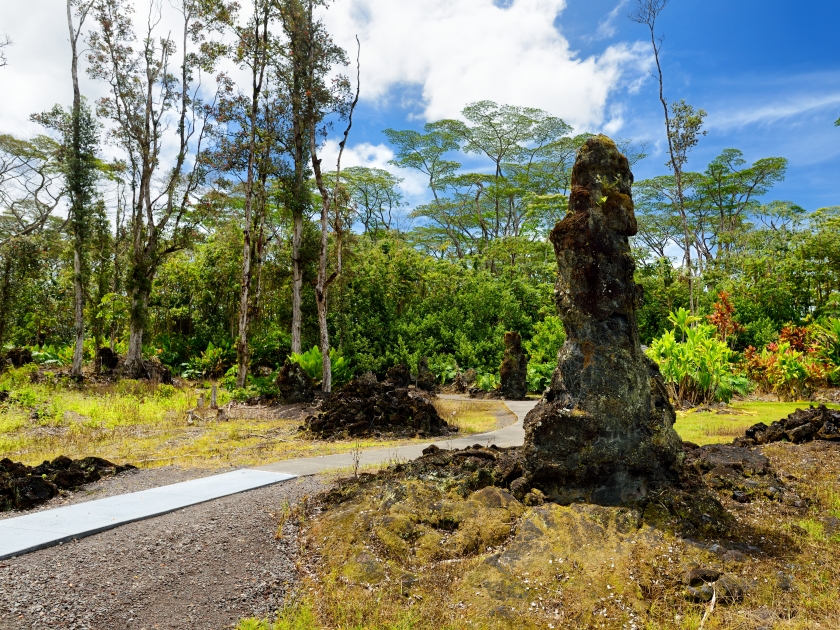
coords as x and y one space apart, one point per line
414 185
459 51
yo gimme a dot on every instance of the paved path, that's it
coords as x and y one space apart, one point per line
37 530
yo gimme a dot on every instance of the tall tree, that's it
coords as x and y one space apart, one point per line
682 126
144 97
323 57
297 28
81 177
253 52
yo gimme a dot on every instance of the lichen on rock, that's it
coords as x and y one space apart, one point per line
603 432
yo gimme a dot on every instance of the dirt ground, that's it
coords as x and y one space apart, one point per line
203 567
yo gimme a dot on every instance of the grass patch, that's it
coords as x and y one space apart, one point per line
715 427
144 425
471 416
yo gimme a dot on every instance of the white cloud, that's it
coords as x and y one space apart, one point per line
414 185
771 112
459 51
606 27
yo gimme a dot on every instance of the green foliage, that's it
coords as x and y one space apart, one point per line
539 375
312 362
696 365
444 368
487 381
549 336
213 362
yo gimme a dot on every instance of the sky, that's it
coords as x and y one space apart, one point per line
766 71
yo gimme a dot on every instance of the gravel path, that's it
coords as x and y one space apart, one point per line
203 567
128 481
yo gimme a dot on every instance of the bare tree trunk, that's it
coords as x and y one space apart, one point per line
137 323
258 70
323 282
297 282
653 9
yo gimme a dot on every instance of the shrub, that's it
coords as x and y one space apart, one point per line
312 363
444 368
549 336
539 376
696 365
213 362
487 381
789 373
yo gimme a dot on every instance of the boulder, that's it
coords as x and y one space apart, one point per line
603 431
107 360
23 487
514 370
294 385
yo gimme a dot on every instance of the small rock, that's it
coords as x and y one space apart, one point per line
533 498
729 589
699 594
701 575
519 488
734 556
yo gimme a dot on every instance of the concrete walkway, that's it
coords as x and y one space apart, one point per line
37 530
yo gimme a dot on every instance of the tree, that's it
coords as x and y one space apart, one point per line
4 42
145 98
253 52
30 184
81 138
682 125
373 195
732 191
323 55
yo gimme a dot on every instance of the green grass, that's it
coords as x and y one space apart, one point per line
146 425
714 428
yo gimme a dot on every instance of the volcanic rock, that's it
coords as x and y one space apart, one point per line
604 430
365 408
107 359
19 356
514 370
23 487
294 385
425 377
803 425
465 380
399 375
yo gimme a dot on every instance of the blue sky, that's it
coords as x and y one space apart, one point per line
767 72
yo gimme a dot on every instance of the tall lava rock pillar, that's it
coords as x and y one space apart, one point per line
603 432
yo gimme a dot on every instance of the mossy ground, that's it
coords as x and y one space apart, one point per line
426 552
145 424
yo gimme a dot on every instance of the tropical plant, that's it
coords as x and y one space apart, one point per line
312 363
487 381
698 369
782 369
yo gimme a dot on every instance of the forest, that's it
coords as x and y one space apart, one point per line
214 239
